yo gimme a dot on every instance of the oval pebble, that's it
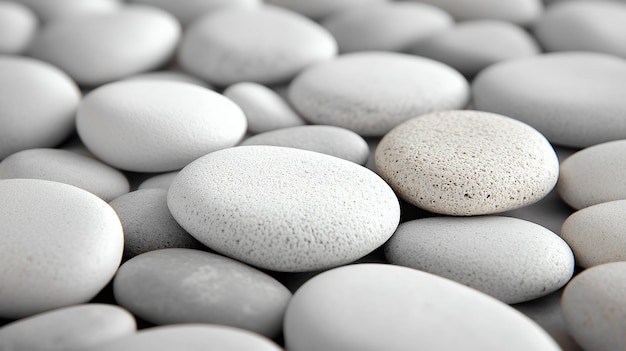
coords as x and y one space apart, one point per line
388 26
186 11
60 246
330 140
466 163
268 45
189 286
170 76
284 209
66 167
72 328
101 48
594 309
157 126
476 252
265 110
159 181
320 9
49 11
372 92
18 25
148 224
549 93
37 104
388 307
594 175
522 12
583 26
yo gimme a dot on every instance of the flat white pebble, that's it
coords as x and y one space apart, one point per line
159 181
477 252
49 11
170 76
100 48
284 209
522 12
60 246
18 25
186 11
37 104
372 92
594 309
330 140
320 9
268 45
66 167
265 110
157 126
73 328
388 307
189 286
549 92
466 163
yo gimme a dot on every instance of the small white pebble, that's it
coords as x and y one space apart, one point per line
18 25
186 11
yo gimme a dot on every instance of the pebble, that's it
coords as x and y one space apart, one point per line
66 167
471 46
60 246
159 181
49 11
330 140
37 103
18 25
476 251
584 25
372 92
466 163
549 93
521 12
320 9
268 45
265 110
170 76
73 328
189 286
157 126
389 26
593 306
594 175
104 47
388 307
284 209
186 11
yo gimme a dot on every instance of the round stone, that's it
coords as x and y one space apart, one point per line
267 45
18 25
170 76
49 11
522 12
189 286
186 11
37 104
475 251
284 209
388 307
320 9
466 163
549 93
72 328
330 140
157 126
593 306
60 246
372 92
159 181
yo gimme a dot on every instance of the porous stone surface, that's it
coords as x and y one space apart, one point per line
322 8
465 163
372 92
159 181
186 11
18 25
284 209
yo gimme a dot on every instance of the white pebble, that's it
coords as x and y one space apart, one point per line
170 76
320 9
186 11
159 181
18 25
522 12
49 11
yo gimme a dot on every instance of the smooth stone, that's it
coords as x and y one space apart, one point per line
471 46
60 246
73 328
521 12
284 209
330 140
475 251
268 45
466 163
37 104
191 337
186 11
159 181
590 25
148 224
66 167
157 126
372 92
320 9
596 233
170 76
49 11
18 25
190 286
594 175
594 309
388 26
388 307
265 110
549 93
100 48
